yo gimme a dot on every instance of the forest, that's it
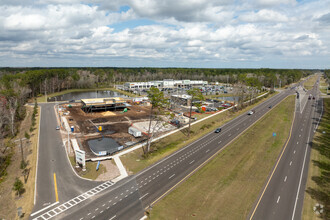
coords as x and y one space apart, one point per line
21 85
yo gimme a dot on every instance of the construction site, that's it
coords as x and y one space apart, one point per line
104 126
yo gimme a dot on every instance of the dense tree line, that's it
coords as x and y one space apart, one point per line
19 84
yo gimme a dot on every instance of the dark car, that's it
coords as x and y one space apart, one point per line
270 106
313 97
217 130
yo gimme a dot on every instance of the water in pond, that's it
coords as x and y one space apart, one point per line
86 95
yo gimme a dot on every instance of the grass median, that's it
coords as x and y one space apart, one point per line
310 82
134 162
228 186
318 182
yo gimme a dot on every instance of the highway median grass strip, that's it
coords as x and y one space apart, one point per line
134 162
310 82
318 181
228 186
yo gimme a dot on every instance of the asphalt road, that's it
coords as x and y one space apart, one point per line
52 159
129 198
283 195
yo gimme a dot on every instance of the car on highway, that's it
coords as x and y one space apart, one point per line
251 112
217 130
270 106
57 127
313 97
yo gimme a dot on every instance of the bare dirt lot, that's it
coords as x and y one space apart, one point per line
114 124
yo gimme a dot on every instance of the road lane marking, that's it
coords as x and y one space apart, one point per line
41 210
88 213
278 199
144 196
278 161
55 186
171 176
113 217
191 162
93 216
294 151
299 135
290 163
297 142
301 174
285 178
207 150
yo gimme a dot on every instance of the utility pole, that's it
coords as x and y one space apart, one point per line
46 89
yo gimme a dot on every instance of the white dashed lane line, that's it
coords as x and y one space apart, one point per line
278 199
285 178
191 162
171 176
207 150
112 217
294 151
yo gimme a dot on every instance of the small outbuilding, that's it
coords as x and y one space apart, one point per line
134 131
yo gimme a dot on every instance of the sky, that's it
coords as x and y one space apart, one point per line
165 33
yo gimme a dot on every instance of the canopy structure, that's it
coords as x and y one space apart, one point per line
104 104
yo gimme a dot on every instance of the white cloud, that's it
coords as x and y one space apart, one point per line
191 32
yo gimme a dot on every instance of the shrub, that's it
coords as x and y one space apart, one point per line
18 187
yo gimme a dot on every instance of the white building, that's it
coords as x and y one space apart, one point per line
166 83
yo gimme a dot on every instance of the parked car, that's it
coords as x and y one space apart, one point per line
57 127
217 130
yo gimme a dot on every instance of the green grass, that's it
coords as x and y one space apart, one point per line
323 85
134 161
318 182
229 184
90 172
43 98
310 82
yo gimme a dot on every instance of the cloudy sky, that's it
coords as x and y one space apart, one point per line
165 33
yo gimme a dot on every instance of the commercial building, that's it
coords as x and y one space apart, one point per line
165 84
103 104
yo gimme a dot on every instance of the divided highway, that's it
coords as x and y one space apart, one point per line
129 198
283 195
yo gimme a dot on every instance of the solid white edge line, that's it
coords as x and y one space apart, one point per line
319 117
144 196
47 207
35 184
67 155
301 174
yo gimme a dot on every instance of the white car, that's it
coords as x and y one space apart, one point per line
251 112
